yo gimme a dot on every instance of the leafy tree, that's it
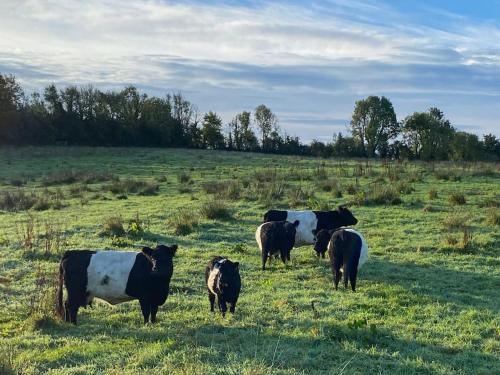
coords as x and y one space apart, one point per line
373 124
465 146
428 134
11 106
246 136
491 146
267 122
211 131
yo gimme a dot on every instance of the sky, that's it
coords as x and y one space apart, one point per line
308 61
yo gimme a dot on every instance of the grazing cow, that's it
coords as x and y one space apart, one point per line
276 237
347 250
115 277
223 281
312 220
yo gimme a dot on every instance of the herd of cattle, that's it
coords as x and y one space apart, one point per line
119 276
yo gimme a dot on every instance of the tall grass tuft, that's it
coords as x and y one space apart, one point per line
113 226
456 199
215 209
183 221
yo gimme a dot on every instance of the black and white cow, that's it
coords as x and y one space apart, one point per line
312 220
347 250
115 277
223 281
276 238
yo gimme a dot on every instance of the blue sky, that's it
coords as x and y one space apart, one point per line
308 61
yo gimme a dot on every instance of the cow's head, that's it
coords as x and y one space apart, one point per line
161 259
291 230
321 239
346 216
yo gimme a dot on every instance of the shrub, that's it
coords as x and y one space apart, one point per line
183 221
17 200
26 232
433 194
113 226
224 189
456 199
215 209
330 184
492 216
42 302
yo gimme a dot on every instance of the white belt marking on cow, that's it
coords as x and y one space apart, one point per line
108 274
363 257
307 223
213 277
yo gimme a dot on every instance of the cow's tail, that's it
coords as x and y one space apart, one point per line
59 296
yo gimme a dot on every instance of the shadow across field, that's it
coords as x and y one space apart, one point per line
335 349
463 288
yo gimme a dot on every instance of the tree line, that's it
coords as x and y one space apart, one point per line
88 116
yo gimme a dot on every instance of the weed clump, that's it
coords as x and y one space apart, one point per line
387 195
457 199
113 226
433 193
447 175
183 221
17 200
215 209
493 216
184 178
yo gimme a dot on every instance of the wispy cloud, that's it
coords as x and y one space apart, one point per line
308 62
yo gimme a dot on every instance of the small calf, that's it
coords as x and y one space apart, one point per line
347 250
276 237
223 281
115 277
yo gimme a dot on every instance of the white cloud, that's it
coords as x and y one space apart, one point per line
233 56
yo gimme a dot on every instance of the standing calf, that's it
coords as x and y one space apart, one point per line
276 237
347 250
116 277
223 281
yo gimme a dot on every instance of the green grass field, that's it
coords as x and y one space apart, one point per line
427 300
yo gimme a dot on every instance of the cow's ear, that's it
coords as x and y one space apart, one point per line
296 223
174 248
236 265
147 250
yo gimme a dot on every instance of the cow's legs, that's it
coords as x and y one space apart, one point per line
222 305
232 307
73 311
211 299
352 277
146 309
66 312
264 260
346 274
154 310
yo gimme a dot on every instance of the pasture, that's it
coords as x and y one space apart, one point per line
427 300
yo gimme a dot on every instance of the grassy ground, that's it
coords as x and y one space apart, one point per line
428 299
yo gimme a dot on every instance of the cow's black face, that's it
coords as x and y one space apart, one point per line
162 260
321 239
346 216
229 281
